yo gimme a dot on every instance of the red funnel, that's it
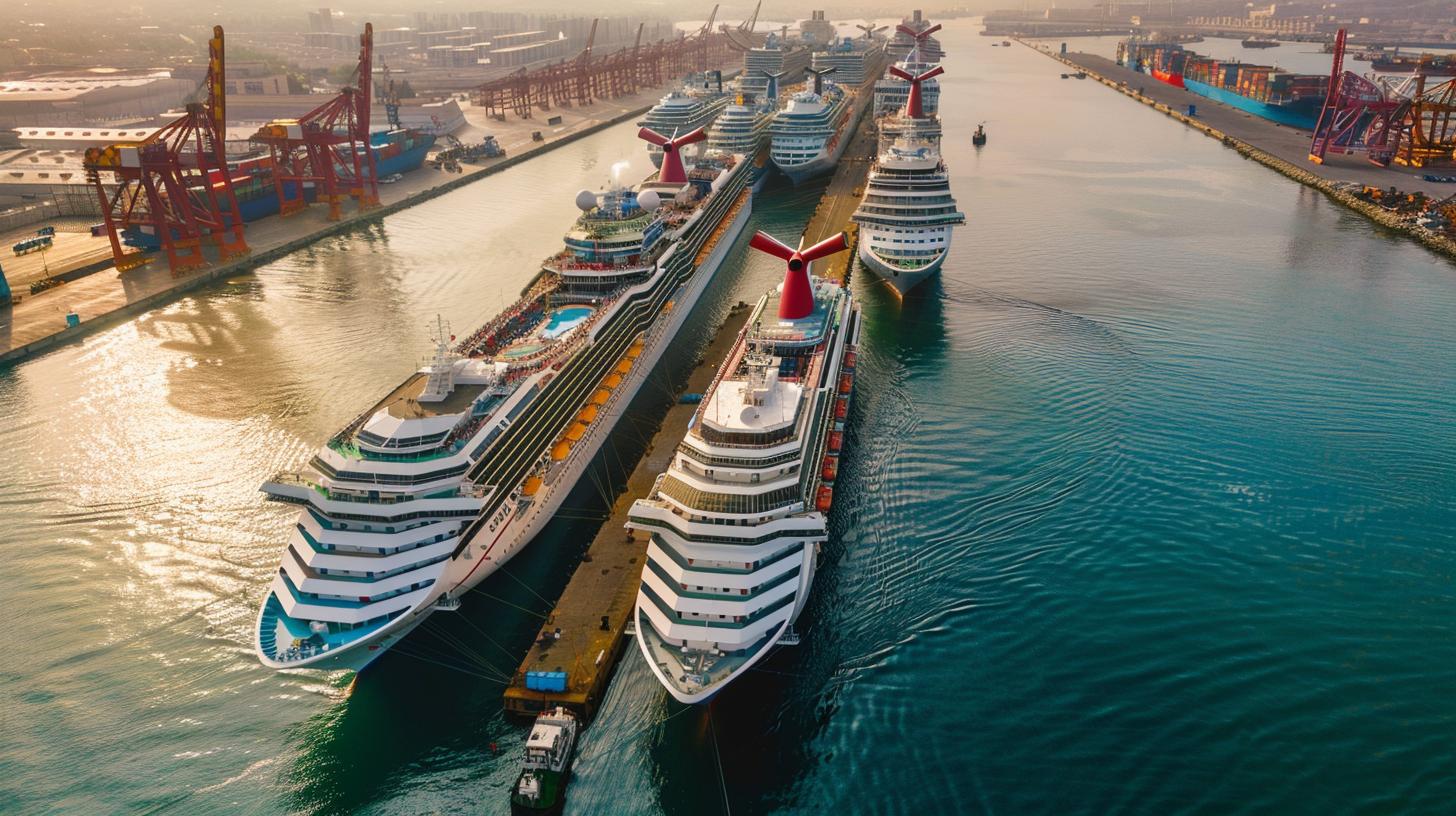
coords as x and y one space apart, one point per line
672 166
798 298
913 106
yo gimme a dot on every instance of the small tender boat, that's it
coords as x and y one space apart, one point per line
979 137
541 787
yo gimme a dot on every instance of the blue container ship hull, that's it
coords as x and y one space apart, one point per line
264 203
1301 114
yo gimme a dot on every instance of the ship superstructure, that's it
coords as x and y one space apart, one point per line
907 214
453 472
892 91
912 32
777 57
737 521
693 105
852 59
743 127
811 130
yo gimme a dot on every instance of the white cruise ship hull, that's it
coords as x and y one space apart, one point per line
901 279
519 523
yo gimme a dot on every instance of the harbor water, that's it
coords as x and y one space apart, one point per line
1147 507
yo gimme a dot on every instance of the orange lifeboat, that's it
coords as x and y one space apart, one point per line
841 408
836 440
830 468
825 498
846 382
849 358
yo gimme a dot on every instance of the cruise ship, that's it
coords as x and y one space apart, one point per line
736 523
693 105
915 32
743 126
777 57
811 130
457 469
891 91
851 59
908 213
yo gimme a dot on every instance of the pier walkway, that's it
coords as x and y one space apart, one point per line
586 632
841 199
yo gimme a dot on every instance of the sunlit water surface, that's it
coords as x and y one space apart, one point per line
1148 508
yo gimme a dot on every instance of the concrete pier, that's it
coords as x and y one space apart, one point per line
1282 149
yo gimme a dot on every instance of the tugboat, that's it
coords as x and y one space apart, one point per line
979 137
541 787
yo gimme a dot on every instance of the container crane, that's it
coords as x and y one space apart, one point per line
173 189
328 148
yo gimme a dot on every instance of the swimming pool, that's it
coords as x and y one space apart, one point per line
564 320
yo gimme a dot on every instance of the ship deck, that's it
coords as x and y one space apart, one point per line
403 402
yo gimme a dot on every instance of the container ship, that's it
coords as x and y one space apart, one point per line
1263 90
736 523
693 105
395 151
430 490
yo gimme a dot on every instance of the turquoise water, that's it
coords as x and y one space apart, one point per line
1147 507
564 320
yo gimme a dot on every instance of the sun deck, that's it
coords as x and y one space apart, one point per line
404 403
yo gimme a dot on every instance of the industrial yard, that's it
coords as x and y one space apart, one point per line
164 235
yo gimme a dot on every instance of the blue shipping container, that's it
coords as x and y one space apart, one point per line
546 681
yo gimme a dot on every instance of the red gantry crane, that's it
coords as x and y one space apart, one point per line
1358 116
173 188
328 148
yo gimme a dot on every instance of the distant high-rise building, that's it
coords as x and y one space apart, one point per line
321 20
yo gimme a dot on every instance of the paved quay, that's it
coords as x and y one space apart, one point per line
587 630
38 322
1282 142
